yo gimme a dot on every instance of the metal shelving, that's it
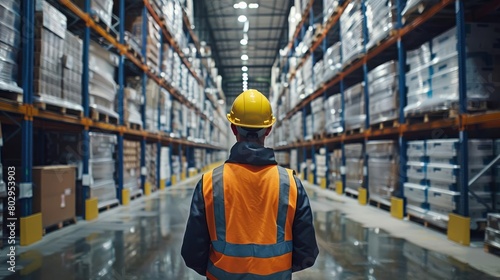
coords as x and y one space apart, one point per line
393 47
31 117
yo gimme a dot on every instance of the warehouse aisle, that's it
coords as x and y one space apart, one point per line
142 241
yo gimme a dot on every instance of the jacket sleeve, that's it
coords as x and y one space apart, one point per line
305 248
196 243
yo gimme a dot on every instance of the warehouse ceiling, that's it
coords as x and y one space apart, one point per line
261 24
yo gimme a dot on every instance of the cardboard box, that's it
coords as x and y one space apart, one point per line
54 193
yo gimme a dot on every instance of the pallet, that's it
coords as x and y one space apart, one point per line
355 131
11 96
135 196
134 126
319 136
58 109
351 195
385 124
430 116
102 117
488 248
380 205
59 225
425 223
109 206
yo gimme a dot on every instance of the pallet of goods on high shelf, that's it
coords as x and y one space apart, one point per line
354 113
50 45
294 18
415 7
102 168
100 10
132 102
380 20
10 45
432 79
72 69
354 167
308 77
318 71
132 167
298 131
153 39
154 101
329 8
382 170
384 94
54 194
351 29
102 85
318 117
333 109
332 62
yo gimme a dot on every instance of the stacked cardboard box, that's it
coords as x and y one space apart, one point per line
152 165
437 81
307 76
351 29
10 44
298 132
294 159
333 109
492 236
380 18
384 93
354 167
131 166
321 167
50 33
443 173
153 40
294 18
102 167
354 113
73 69
318 113
132 102
382 169
165 171
102 86
416 185
335 166
283 158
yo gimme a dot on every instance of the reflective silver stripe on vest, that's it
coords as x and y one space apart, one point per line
250 250
222 274
283 203
219 211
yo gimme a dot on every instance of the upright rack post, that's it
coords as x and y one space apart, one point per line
144 99
28 49
121 82
402 100
366 104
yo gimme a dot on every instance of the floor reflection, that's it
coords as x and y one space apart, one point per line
144 243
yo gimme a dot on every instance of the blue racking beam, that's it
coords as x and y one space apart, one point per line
402 100
462 90
26 187
121 82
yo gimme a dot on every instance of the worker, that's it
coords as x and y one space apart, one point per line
250 218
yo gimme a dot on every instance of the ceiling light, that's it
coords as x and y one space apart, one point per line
245 78
245 75
242 5
244 42
245 83
244 68
244 57
242 18
253 5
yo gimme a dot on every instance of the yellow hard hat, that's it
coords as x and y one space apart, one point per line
251 109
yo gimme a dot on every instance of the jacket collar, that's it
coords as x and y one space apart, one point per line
251 153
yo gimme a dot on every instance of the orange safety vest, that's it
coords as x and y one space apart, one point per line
250 212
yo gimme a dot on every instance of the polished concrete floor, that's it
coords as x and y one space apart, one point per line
142 241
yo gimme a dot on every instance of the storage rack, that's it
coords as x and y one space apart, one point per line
434 19
28 116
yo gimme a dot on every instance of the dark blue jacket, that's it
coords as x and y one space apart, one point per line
196 243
